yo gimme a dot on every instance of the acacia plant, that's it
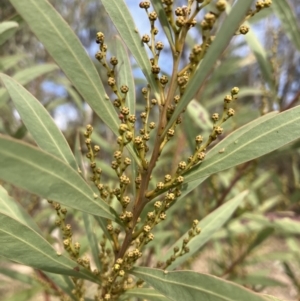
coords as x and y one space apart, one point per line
120 217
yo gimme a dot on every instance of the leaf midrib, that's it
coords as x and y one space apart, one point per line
18 158
75 57
185 285
44 127
33 246
242 146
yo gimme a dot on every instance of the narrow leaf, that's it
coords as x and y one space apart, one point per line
257 278
285 14
199 115
260 55
209 225
22 244
7 29
91 236
42 174
9 61
188 285
120 16
125 76
219 99
24 295
144 293
62 281
66 49
259 239
248 143
15 275
39 122
158 7
262 60
11 208
25 76
223 37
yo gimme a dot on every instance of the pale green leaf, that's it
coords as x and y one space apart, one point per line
258 278
289 22
66 49
7 30
281 222
159 9
199 115
24 295
88 221
188 285
125 76
9 61
262 60
260 55
42 174
249 142
120 16
144 293
25 76
39 122
223 37
22 244
62 281
13 209
92 238
16 275
209 225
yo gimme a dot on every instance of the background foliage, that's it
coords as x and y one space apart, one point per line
258 247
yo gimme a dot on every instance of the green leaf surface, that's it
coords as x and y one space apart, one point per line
62 281
24 295
144 293
259 239
25 76
260 55
188 285
262 60
92 238
256 278
199 115
283 224
22 244
125 76
9 61
291 274
159 9
237 227
223 37
13 209
7 30
66 49
209 225
219 99
120 16
40 173
251 141
289 22
39 122
16 275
